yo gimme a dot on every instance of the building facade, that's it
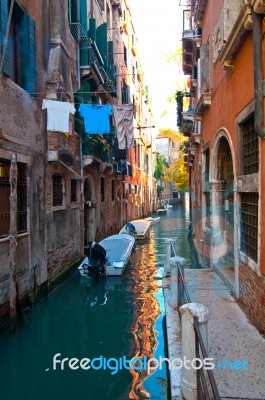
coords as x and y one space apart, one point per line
61 187
223 53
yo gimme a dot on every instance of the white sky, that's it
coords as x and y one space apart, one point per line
158 26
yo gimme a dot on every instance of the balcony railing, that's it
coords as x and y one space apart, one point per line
90 57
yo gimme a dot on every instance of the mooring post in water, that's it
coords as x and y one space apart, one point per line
189 374
176 267
13 242
169 242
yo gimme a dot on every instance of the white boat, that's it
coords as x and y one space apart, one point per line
110 258
168 206
153 220
161 210
142 227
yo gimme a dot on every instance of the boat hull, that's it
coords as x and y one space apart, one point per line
118 251
142 227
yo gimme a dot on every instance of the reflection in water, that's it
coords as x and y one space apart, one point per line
112 317
146 310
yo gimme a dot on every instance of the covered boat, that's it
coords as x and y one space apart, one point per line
108 257
141 228
153 220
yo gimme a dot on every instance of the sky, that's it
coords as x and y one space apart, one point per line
158 26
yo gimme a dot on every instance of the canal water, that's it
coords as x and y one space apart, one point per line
110 322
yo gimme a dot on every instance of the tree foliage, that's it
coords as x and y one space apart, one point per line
160 165
178 174
178 171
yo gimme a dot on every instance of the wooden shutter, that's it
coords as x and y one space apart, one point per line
28 54
4 9
101 42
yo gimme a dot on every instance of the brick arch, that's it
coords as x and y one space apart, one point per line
223 208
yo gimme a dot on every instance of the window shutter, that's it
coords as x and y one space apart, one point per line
4 9
101 41
28 54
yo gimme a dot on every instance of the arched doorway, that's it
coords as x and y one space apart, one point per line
224 247
89 212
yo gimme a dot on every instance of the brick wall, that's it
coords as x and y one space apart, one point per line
252 296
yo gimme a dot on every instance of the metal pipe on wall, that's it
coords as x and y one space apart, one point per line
258 78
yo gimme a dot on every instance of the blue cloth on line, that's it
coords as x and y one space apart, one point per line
96 117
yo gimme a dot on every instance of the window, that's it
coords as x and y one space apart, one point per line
57 190
135 189
112 190
21 198
20 55
250 147
73 191
130 188
249 215
102 189
5 198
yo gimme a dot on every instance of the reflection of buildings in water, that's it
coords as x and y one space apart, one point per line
145 313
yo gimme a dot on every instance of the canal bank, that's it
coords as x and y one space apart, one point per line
233 343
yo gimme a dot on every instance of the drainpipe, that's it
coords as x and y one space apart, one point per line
258 78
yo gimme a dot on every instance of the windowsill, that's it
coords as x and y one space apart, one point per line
58 208
74 205
248 261
20 235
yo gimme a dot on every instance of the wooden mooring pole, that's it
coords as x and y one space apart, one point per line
13 243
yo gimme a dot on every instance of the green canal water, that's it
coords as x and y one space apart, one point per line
119 318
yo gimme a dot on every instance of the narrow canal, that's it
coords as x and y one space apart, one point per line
118 318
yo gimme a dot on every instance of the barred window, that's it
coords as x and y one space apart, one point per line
250 147
249 234
57 190
112 190
5 198
73 191
21 198
102 189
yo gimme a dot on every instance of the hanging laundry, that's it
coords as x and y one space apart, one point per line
123 116
58 114
96 117
119 154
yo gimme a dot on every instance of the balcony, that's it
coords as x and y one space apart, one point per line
97 153
60 149
203 103
91 62
242 26
188 115
187 51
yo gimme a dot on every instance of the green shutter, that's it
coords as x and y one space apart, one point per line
101 41
92 29
73 12
28 54
83 15
4 9
110 68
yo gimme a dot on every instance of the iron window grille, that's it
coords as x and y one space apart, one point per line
57 190
249 234
5 198
102 189
250 147
73 191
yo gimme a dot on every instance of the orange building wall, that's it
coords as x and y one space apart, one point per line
230 94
